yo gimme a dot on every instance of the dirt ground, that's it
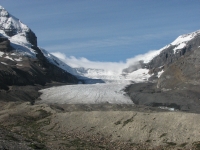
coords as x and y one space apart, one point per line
113 127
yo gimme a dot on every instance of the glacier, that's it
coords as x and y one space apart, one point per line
101 84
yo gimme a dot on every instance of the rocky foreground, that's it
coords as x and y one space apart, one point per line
42 126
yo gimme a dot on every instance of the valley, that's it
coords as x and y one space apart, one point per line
150 101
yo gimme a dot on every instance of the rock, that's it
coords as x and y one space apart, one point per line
4 44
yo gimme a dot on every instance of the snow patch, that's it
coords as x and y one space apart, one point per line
7 57
21 40
4 63
182 40
140 75
1 54
19 65
180 46
18 59
160 73
167 108
23 50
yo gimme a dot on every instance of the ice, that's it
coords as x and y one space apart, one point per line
86 94
111 91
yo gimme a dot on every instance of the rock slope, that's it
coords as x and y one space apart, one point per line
175 74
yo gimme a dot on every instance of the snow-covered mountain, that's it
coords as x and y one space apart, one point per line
143 68
21 61
149 66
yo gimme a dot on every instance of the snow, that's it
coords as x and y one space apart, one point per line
23 50
86 94
167 108
4 63
182 40
19 40
59 63
140 75
10 22
1 54
7 57
180 46
18 59
19 65
160 73
147 57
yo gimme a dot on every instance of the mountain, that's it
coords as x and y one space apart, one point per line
149 67
182 67
22 62
174 76
158 61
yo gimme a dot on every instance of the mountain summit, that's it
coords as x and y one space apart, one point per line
22 62
10 26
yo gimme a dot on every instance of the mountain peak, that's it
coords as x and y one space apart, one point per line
11 26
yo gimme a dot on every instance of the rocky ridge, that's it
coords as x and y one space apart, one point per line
175 78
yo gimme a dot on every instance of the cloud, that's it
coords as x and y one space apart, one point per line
129 65
84 62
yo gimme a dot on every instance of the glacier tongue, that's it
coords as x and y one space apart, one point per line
86 94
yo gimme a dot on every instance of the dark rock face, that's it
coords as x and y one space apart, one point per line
31 37
186 98
167 56
178 86
4 44
185 70
32 70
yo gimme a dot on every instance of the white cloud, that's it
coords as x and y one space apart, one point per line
84 62
109 66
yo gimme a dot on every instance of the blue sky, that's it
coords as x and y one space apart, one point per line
106 30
